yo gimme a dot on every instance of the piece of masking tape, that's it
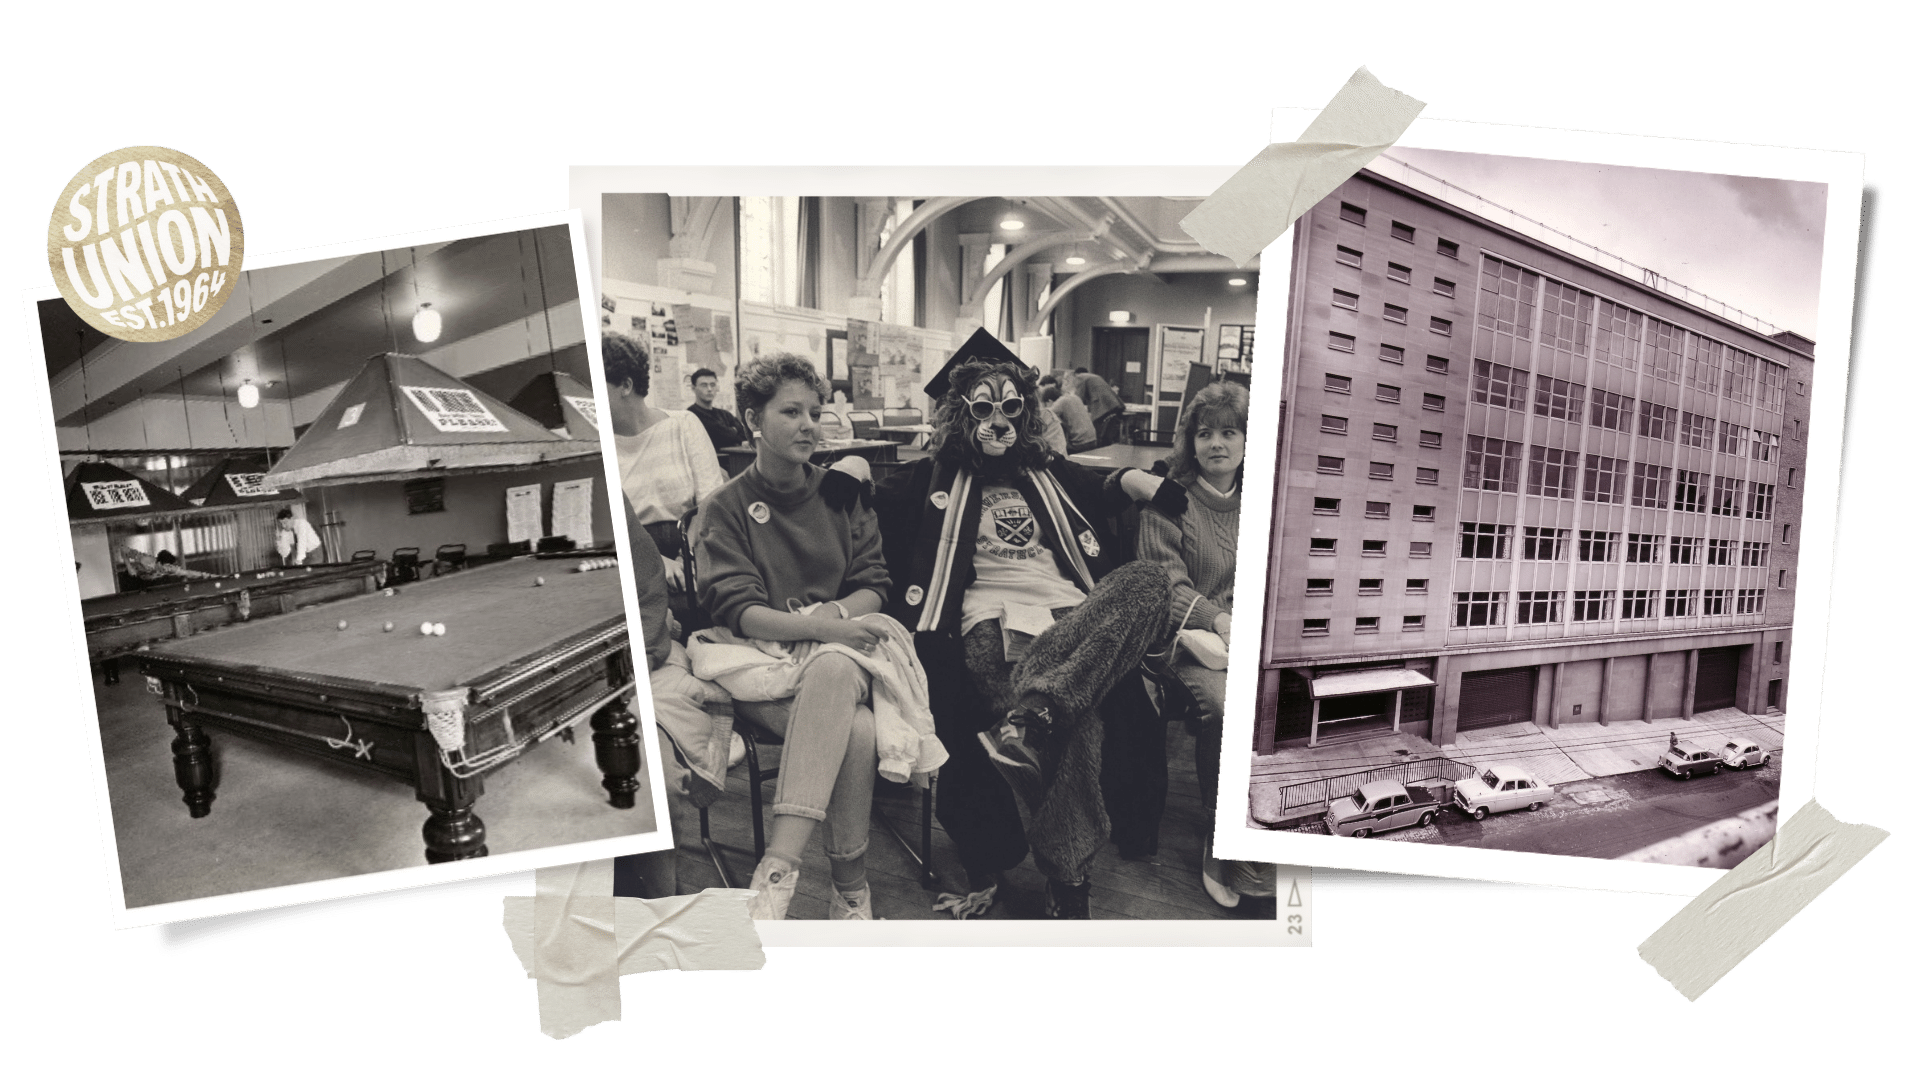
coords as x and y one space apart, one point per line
1259 202
1717 930
576 939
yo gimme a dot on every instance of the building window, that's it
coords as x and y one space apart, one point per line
1429 440
1346 256
1636 604
1598 546
1319 586
1544 545
1322 545
1506 303
1557 399
1451 250
1379 470
1438 325
1386 432
1649 485
1314 627
1388 394
1741 369
1766 446
1566 314
1437 364
1532 608
1498 384
1778 648
1393 354
1403 231
1733 439
1350 212
1786 531
1663 350
1370 586
1719 552
1753 553
1696 430
1326 507
1606 479
1442 287
1333 425
1687 497
1643 547
1350 301
1373 549
1796 431
1592 605
1367 624
1484 541
1479 608
1339 384
1492 464
1402 274
1726 497
1420 549
1714 601
1760 501
1416 586
1412 623
1679 603
1551 472
1618 339
1332 466
1790 473
1610 411
1379 510
1339 342
1683 550
1393 313
1752 601
1658 421
1426 476
1704 359
1433 402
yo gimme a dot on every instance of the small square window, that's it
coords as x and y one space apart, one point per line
1370 586
1394 313
1383 392
1438 364
1412 623
1447 248
1386 432
1790 473
1417 586
1379 470
1393 354
1426 476
1322 545
1346 256
1422 513
1420 549
1443 327
1783 580
1343 299
1339 384
1786 534
1350 212
1430 440
1379 509
1332 466
1339 342
1403 231
1367 624
1396 272
1319 586
1333 425
1442 287
1314 627
1433 402
1326 507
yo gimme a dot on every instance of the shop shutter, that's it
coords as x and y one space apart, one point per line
1488 698
1717 676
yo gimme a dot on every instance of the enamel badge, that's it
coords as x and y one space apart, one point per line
915 594
939 500
759 512
1090 544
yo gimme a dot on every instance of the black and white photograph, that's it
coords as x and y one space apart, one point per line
1538 529
945 475
347 563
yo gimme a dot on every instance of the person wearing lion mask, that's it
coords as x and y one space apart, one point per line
1029 624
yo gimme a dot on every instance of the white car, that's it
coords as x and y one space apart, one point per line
1744 754
1500 787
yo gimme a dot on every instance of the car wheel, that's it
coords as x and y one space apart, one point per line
1716 768
1766 761
1535 806
1480 813
1685 774
1362 834
1426 819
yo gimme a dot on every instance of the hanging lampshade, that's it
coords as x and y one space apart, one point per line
249 395
426 323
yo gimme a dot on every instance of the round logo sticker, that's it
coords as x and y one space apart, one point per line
759 512
145 244
915 594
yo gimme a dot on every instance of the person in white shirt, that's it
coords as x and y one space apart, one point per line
293 538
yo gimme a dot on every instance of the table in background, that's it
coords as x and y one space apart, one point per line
519 663
1121 456
735 459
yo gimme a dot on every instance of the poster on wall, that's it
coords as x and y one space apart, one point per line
523 513
895 352
573 510
1179 347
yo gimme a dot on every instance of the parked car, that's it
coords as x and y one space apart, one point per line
1379 807
1500 787
1685 759
1744 754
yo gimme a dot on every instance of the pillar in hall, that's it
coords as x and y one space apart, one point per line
1606 677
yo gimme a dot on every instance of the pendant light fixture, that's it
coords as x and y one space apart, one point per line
249 395
426 324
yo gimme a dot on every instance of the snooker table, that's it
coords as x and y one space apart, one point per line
123 622
519 663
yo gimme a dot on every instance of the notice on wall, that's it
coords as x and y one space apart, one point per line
1180 347
895 353
573 510
523 514
452 409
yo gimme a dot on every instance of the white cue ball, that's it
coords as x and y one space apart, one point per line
539 581
426 629
389 592
387 629
439 629
343 624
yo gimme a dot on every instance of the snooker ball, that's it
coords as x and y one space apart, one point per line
539 581
389 592
439 629
387 629
343 624
426 629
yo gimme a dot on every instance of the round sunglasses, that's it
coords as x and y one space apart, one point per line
983 410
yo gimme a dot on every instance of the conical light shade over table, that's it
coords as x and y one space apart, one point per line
236 483
559 401
98 492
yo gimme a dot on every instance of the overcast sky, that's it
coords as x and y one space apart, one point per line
1750 242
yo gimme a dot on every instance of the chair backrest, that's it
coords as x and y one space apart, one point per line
406 565
901 416
450 551
557 543
365 555
833 424
510 548
863 423
697 618
406 555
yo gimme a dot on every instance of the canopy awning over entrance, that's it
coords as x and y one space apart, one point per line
1373 681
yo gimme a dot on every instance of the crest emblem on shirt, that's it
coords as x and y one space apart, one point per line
915 594
759 512
1014 525
1090 544
939 500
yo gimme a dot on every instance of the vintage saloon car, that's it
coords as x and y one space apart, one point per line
1684 759
1497 788
1378 807
1744 754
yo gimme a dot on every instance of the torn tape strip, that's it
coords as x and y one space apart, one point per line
576 938
1721 926
1259 202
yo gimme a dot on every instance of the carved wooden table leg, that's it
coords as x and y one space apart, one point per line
192 763
616 748
453 833
110 671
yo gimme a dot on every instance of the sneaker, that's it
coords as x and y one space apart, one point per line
1214 877
736 751
1068 900
1013 745
773 884
858 905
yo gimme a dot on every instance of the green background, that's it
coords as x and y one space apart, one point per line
348 122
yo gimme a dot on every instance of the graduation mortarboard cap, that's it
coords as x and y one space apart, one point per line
981 346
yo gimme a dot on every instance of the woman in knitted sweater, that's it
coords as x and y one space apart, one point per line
1198 553
768 545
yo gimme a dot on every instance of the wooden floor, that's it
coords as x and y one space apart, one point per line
1166 886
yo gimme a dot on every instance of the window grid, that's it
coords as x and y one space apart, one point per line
1649 485
1605 479
1597 546
1643 547
1543 544
1557 399
1499 385
1484 540
1592 605
1659 421
1532 608
1479 608
1492 464
1552 472
1611 411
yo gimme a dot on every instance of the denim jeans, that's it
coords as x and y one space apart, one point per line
828 760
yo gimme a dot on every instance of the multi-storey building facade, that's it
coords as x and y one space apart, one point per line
1515 485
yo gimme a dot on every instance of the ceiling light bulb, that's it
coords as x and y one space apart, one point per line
1236 282
1076 260
249 395
1013 224
426 323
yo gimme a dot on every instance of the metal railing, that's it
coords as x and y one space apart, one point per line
1308 798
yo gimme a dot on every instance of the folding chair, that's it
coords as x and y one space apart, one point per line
406 565
365 555
448 558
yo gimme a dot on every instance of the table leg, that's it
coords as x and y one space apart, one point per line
616 748
453 833
192 763
110 671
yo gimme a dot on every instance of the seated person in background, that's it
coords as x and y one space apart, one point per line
724 428
1197 550
1072 416
293 538
769 543
1103 405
